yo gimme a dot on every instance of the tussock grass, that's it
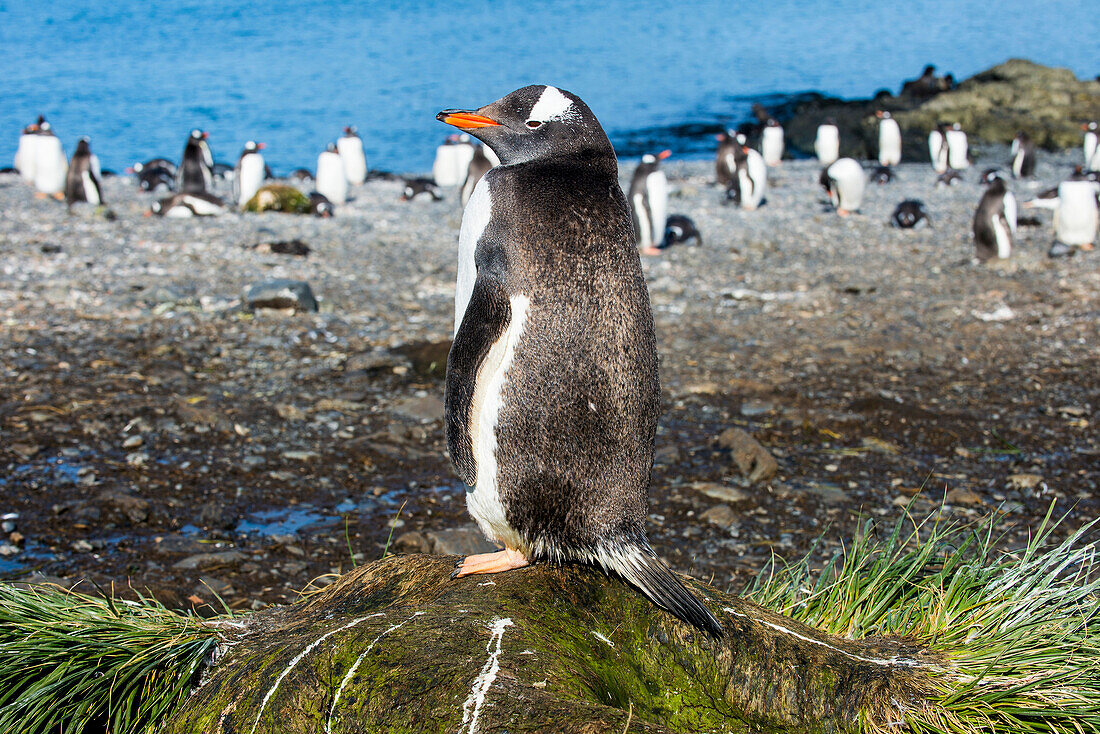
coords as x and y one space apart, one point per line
1021 630
74 663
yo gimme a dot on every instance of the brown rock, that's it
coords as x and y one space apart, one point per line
752 459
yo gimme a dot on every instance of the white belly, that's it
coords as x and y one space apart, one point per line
475 218
25 156
355 162
937 151
202 207
957 149
849 184
331 180
752 190
827 144
252 177
657 189
91 191
771 145
1076 218
889 143
179 212
484 501
1009 202
1003 239
1091 146
50 166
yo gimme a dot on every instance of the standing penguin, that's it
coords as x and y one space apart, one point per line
937 148
827 142
451 160
82 180
958 151
196 170
725 161
1091 146
50 164
750 179
350 148
249 174
1023 156
649 203
995 220
1076 215
331 180
771 142
479 166
25 153
889 139
552 390
844 183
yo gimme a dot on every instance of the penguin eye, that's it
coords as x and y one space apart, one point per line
534 124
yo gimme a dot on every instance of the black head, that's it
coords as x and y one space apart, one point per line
83 148
929 70
989 175
350 131
533 123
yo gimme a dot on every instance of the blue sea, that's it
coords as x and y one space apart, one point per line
137 76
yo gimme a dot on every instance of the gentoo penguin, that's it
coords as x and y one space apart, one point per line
301 174
479 166
750 179
995 220
188 205
1091 146
1076 215
331 180
321 206
196 170
958 154
82 181
222 171
926 85
910 214
350 148
771 142
452 159
882 175
844 183
937 147
249 174
25 153
552 389
725 162
827 142
649 202
154 163
50 164
948 178
889 139
679 229
1023 156
414 187
150 178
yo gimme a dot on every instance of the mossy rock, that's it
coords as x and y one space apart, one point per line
397 646
278 198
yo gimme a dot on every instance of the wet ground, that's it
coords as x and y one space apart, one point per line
154 434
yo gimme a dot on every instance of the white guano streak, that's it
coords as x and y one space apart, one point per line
471 710
355 666
298 658
894 661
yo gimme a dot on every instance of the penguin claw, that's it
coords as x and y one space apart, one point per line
458 567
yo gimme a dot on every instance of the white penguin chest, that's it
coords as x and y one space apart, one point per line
475 218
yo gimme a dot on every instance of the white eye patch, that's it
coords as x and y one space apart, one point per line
552 105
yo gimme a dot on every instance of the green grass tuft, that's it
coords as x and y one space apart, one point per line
74 663
1020 630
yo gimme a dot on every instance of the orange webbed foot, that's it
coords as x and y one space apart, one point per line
504 560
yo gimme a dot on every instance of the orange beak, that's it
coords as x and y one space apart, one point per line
261 146
663 154
465 120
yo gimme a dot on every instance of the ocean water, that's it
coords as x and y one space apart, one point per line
137 76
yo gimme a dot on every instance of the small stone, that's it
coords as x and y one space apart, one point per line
1024 481
8 521
281 294
752 407
423 409
960 496
300 455
25 450
289 412
411 542
719 515
752 459
462 541
879 445
133 442
7 549
82 546
722 492
210 560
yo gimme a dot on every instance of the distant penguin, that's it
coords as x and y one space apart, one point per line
188 205
844 182
926 85
26 152
1023 156
452 159
50 164
750 180
937 148
948 178
196 170
648 200
1091 146
882 175
248 176
827 142
958 152
889 139
155 163
331 180
301 174
680 229
321 206
1076 215
910 214
479 166
350 148
414 187
82 181
222 171
994 220
725 162
771 142
151 178
552 392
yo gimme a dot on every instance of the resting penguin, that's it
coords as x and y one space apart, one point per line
679 229
82 181
958 152
414 187
1076 214
771 142
750 179
196 170
1023 156
889 139
331 180
937 147
552 389
50 165
350 148
843 182
188 205
1091 146
827 142
249 174
910 214
649 203
479 166
25 153
882 175
995 220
